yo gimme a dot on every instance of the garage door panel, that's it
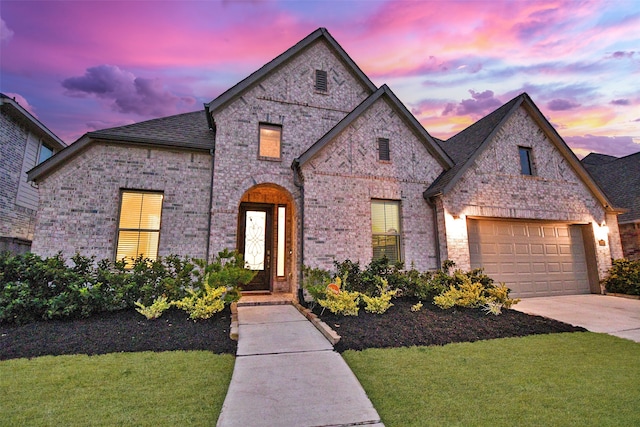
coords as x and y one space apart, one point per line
532 258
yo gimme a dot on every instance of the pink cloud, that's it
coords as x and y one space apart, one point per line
561 105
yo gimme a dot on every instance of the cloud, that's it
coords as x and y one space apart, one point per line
130 94
622 54
561 105
613 145
620 102
23 102
6 33
480 104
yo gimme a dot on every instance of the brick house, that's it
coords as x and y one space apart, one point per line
306 161
25 142
620 179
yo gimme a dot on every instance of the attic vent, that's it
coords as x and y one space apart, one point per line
321 80
383 149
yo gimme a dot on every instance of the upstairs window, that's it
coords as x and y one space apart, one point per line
270 141
385 225
139 225
526 161
321 81
383 149
45 152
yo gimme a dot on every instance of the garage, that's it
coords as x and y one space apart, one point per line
533 258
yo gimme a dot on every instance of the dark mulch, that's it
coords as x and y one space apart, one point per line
123 331
128 331
400 327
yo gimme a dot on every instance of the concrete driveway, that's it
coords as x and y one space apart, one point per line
597 313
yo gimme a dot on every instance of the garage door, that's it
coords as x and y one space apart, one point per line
532 258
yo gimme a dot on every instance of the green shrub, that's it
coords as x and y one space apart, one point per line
315 281
624 277
470 294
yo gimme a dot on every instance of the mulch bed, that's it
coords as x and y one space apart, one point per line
128 331
400 327
122 331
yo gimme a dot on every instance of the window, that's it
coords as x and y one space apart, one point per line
385 224
270 136
526 161
45 152
321 81
383 149
139 225
282 218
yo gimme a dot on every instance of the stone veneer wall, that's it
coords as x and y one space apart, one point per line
288 98
494 187
15 221
630 236
79 204
344 177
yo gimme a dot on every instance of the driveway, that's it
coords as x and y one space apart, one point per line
597 313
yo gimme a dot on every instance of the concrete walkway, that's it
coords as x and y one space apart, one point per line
287 374
597 313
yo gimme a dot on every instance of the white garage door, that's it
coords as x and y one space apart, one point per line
532 258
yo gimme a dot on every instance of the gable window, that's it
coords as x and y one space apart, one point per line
383 149
321 81
139 225
45 152
385 224
526 161
270 141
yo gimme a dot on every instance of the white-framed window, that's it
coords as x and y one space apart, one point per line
270 145
139 225
385 230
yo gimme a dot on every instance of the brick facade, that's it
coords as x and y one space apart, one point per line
79 203
630 237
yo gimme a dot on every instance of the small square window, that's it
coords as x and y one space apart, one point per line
321 80
383 149
270 138
526 161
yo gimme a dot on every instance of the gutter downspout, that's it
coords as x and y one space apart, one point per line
298 181
212 151
431 201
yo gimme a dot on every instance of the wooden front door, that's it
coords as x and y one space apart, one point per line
255 243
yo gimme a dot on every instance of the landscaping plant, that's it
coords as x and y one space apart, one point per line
624 277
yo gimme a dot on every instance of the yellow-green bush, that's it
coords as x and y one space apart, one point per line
379 304
203 305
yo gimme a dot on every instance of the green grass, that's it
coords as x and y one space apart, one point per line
120 389
573 379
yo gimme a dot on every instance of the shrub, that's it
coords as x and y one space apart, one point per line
340 301
315 281
203 304
381 303
155 310
474 294
624 277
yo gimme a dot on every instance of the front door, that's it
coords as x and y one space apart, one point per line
255 243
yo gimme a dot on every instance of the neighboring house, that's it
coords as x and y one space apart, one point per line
24 142
306 161
620 180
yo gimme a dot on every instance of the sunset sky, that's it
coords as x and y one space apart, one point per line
85 65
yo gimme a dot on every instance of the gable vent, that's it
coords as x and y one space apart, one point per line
383 149
321 80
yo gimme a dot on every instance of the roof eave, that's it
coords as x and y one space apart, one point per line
60 144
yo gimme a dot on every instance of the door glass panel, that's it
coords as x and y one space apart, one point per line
281 240
254 240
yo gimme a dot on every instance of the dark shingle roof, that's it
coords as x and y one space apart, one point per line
188 130
597 159
463 146
620 180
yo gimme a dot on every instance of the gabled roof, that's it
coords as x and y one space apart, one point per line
184 131
255 77
384 91
13 108
620 179
467 145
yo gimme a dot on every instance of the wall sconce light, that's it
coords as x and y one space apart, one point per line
456 217
602 242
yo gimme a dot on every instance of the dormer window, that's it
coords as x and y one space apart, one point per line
383 150
526 161
321 81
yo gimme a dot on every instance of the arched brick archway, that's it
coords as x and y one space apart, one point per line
266 223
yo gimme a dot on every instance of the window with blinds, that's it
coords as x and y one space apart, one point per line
383 149
139 225
270 138
385 224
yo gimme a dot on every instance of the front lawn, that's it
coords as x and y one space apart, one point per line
568 379
141 389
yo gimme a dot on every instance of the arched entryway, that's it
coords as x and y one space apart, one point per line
265 238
